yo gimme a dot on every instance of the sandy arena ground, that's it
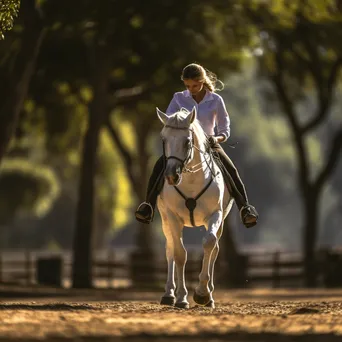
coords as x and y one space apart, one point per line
112 315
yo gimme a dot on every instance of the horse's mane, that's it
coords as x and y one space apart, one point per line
178 120
201 136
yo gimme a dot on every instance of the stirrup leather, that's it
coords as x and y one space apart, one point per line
148 204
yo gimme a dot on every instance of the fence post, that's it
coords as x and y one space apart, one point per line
1 269
110 267
276 269
28 267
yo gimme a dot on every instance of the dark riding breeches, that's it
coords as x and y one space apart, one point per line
232 179
156 181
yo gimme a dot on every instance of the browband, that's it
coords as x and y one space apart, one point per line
187 128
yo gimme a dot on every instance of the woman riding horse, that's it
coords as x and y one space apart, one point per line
211 110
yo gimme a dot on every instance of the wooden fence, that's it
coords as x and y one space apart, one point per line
110 269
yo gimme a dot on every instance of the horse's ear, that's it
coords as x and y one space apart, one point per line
193 115
162 116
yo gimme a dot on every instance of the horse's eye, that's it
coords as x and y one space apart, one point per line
187 142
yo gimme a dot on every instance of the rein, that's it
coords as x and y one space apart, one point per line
190 202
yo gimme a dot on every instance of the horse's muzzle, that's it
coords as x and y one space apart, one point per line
174 179
173 174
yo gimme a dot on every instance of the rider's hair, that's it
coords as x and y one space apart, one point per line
196 72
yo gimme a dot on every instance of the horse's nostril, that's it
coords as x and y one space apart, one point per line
170 180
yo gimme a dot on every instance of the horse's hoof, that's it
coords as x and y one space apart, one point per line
201 300
182 305
168 301
211 304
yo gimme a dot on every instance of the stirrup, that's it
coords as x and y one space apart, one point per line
146 221
249 224
148 204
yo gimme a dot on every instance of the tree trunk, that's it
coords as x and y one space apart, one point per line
84 232
310 230
14 84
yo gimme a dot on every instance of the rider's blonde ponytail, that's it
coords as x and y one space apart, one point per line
198 73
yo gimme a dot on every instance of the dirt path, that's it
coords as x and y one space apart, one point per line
258 315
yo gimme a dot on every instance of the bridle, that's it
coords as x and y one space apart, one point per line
184 161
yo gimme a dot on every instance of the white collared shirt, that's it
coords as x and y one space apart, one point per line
211 111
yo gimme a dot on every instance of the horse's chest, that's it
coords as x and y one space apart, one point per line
193 210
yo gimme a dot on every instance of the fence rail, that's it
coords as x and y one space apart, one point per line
117 270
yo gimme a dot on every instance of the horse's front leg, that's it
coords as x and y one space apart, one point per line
170 286
203 294
180 256
213 258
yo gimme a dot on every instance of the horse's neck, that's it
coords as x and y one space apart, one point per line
199 162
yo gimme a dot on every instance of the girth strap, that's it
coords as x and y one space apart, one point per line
191 203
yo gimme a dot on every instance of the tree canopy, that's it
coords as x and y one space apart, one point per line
9 9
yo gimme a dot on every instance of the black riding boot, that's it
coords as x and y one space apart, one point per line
248 214
145 211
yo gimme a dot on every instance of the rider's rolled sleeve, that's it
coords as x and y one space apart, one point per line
222 119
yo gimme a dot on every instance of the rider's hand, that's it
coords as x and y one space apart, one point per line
212 140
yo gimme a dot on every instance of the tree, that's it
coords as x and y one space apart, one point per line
9 9
16 76
300 53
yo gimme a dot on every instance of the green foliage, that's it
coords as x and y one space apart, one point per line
113 188
57 117
317 11
301 38
26 188
9 9
298 50
53 246
271 138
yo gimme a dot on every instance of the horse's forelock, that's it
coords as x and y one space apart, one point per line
179 119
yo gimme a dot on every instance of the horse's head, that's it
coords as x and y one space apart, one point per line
178 142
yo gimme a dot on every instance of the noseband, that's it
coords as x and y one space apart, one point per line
188 155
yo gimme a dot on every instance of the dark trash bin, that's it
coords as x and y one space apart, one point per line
49 271
333 270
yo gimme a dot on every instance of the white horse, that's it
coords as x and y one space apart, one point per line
194 194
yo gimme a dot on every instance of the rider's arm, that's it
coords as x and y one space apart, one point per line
222 121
